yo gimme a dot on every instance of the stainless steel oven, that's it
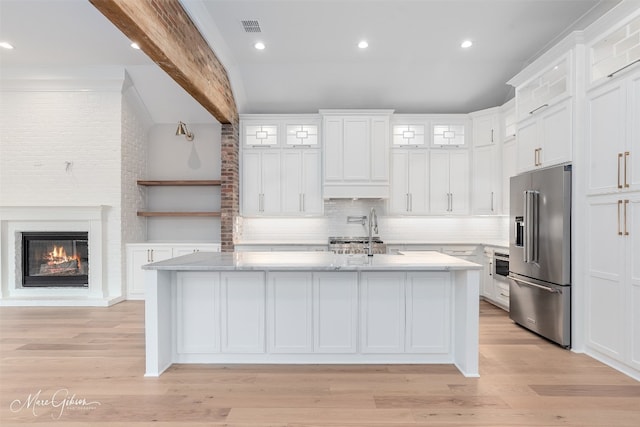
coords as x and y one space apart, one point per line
500 265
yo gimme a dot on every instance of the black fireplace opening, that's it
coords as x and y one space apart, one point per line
55 259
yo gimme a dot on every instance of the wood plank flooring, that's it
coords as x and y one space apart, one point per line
85 366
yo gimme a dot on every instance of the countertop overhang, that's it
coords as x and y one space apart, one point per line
316 261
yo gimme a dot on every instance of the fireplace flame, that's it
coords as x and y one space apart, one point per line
59 256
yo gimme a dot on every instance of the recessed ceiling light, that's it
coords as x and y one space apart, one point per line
466 44
363 44
6 45
135 45
259 46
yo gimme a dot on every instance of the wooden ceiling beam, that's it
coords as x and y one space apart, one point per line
165 32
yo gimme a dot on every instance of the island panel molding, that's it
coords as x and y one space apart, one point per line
278 307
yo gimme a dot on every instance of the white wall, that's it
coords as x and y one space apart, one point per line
71 146
172 157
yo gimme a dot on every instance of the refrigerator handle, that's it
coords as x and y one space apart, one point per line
531 226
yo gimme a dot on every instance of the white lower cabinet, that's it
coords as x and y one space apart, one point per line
139 254
312 312
399 311
382 312
424 295
329 314
335 312
242 296
198 303
289 312
613 278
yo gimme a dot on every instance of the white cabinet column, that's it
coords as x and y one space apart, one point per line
424 308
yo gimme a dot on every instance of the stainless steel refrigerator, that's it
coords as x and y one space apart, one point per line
540 252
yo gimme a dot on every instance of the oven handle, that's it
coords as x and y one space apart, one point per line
535 285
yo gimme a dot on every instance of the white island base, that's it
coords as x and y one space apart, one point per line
312 308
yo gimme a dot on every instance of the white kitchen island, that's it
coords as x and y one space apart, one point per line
310 308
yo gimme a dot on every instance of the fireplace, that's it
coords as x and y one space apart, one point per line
55 259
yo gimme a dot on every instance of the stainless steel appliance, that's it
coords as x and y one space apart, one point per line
540 252
356 245
500 265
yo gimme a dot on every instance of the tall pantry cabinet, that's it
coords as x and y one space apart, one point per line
612 187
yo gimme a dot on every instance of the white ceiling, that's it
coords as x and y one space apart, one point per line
414 63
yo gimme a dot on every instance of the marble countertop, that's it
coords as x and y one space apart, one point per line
312 261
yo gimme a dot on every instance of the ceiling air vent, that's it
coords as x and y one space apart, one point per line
251 26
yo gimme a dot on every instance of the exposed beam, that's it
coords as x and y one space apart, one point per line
167 35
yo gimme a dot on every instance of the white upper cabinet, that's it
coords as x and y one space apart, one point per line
613 135
486 183
281 172
260 134
409 182
449 134
449 182
261 182
408 135
486 127
545 89
302 135
301 182
356 153
545 139
615 51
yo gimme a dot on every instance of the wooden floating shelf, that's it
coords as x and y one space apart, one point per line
180 183
192 214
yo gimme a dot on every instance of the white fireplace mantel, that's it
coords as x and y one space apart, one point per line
15 220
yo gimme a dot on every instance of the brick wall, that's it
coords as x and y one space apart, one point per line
135 124
230 191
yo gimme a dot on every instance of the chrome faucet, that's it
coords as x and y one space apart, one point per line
373 227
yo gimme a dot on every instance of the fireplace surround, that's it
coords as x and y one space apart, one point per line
55 259
102 246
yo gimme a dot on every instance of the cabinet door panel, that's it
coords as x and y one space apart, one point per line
484 170
251 182
633 275
605 138
633 139
312 182
399 202
242 312
289 312
333 141
198 313
335 312
357 152
271 182
459 181
428 305
291 182
439 182
556 134
528 141
379 149
508 170
383 312
418 182
605 294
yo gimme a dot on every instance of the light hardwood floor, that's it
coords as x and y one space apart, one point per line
97 354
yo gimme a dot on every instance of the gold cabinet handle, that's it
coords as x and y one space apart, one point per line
626 203
626 157
619 161
619 208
